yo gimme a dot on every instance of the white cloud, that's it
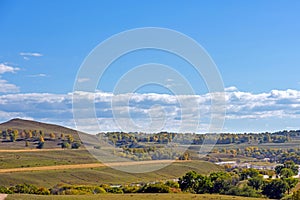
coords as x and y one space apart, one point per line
4 68
82 80
31 54
27 55
6 87
37 75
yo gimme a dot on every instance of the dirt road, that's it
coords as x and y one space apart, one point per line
89 165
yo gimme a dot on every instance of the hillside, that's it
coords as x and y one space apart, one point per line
47 129
22 124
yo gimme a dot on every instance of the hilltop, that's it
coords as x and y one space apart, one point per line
22 124
30 131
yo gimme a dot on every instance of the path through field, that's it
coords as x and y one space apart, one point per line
89 165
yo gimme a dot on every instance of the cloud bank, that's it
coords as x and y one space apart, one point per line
148 109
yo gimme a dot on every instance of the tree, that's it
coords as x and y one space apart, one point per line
291 165
246 173
291 183
4 134
16 132
41 139
12 137
52 136
65 145
204 184
75 145
28 134
223 181
40 145
256 182
70 139
286 170
286 173
188 182
275 189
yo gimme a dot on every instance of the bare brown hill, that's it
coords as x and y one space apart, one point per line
21 124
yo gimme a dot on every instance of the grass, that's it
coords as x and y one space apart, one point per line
97 176
130 197
45 158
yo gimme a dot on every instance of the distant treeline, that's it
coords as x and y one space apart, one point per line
131 140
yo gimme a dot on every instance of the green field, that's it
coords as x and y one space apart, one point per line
96 176
45 158
130 197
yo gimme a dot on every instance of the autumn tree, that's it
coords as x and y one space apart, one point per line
52 136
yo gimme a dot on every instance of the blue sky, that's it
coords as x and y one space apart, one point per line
255 45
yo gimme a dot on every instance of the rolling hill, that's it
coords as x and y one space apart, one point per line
22 124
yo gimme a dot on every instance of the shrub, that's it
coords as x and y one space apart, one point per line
172 184
4 190
155 188
130 189
99 190
75 145
245 191
43 191
115 190
65 145
25 189
73 192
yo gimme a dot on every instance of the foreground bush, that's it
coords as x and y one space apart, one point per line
155 188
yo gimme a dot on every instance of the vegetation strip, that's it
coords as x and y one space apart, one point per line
89 165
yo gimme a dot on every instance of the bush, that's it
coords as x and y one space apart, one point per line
99 190
115 190
296 195
75 145
130 189
74 192
155 188
4 190
172 184
245 191
65 145
25 189
40 145
43 191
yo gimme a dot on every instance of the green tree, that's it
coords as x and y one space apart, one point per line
256 182
223 181
204 185
286 173
291 183
275 189
288 169
188 182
